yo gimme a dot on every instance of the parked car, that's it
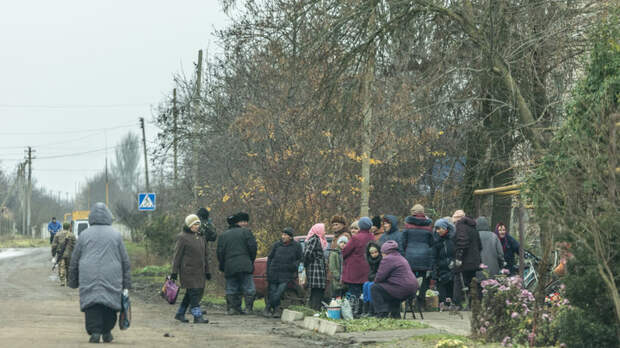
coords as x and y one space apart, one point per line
295 292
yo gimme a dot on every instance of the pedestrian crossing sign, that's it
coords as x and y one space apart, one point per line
146 201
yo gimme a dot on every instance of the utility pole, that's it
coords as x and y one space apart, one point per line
22 184
146 162
107 183
195 107
174 132
29 193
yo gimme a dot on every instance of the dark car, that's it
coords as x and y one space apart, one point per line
294 289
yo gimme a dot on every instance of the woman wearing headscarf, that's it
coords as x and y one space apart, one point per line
394 282
355 270
314 262
510 246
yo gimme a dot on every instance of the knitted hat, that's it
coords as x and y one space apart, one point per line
339 219
365 223
417 209
389 247
289 231
203 213
343 239
191 219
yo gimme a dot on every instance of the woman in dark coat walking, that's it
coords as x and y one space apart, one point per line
355 270
314 262
394 282
190 262
510 246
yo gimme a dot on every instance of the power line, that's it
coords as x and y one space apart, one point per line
69 131
71 106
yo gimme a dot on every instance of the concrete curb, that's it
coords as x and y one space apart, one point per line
289 316
322 326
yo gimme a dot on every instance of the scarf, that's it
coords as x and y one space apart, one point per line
319 231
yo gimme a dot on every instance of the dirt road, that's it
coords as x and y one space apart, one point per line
36 312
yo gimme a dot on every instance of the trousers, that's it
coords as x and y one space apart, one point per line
99 319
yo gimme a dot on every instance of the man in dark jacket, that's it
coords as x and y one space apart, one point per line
416 245
236 252
443 250
282 264
467 256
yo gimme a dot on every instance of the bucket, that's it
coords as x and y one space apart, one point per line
333 312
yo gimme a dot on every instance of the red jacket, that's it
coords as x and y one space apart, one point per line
355 269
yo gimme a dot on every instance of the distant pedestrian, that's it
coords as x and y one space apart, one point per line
443 253
191 263
335 268
62 247
100 268
338 228
394 282
492 255
282 264
510 246
53 227
314 263
236 252
390 230
416 245
467 256
373 256
355 267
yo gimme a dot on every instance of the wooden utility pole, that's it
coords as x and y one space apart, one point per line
146 162
195 112
174 132
368 78
29 192
22 183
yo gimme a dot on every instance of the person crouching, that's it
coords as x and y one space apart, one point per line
190 262
373 256
394 282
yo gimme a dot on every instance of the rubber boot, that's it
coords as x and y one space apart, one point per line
249 304
198 318
95 338
236 304
230 304
180 316
107 337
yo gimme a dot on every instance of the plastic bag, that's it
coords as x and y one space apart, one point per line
346 311
124 317
302 275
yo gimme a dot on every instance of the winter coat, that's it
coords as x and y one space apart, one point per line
314 262
417 242
54 227
208 230
335 269
283 261
443 251
510 247
492 254
356 269
190 260
393 234
373 263
64 239
99 263
468 245
236 251
394 274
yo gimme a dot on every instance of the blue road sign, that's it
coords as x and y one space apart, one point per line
146 201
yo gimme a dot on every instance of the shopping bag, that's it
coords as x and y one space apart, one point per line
124 317
170 291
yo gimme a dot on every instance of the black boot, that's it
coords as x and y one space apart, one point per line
365 313
371 309
249 304
181 317
236 304
201 320
230 304
107 337
95 338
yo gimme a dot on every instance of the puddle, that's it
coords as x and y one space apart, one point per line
8 253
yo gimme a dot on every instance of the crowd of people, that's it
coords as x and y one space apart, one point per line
372 262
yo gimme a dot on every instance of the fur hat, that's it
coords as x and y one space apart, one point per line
289 231
241 216
417 209
365 223
203 214
192 219
339 219
376 221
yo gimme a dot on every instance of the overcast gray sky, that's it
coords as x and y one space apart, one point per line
76 73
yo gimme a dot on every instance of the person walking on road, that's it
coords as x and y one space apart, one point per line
100 269
53 227
467 256
191 263
282 264
62 247
314 262
394 282
355 270
492 254
236 252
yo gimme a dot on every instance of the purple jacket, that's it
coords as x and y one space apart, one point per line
394 273
355 269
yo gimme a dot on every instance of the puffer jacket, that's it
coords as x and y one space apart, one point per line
393 234
283 261
417 242
443 250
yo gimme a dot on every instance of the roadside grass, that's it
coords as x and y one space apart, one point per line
307 311
440 340
380 324
18 241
